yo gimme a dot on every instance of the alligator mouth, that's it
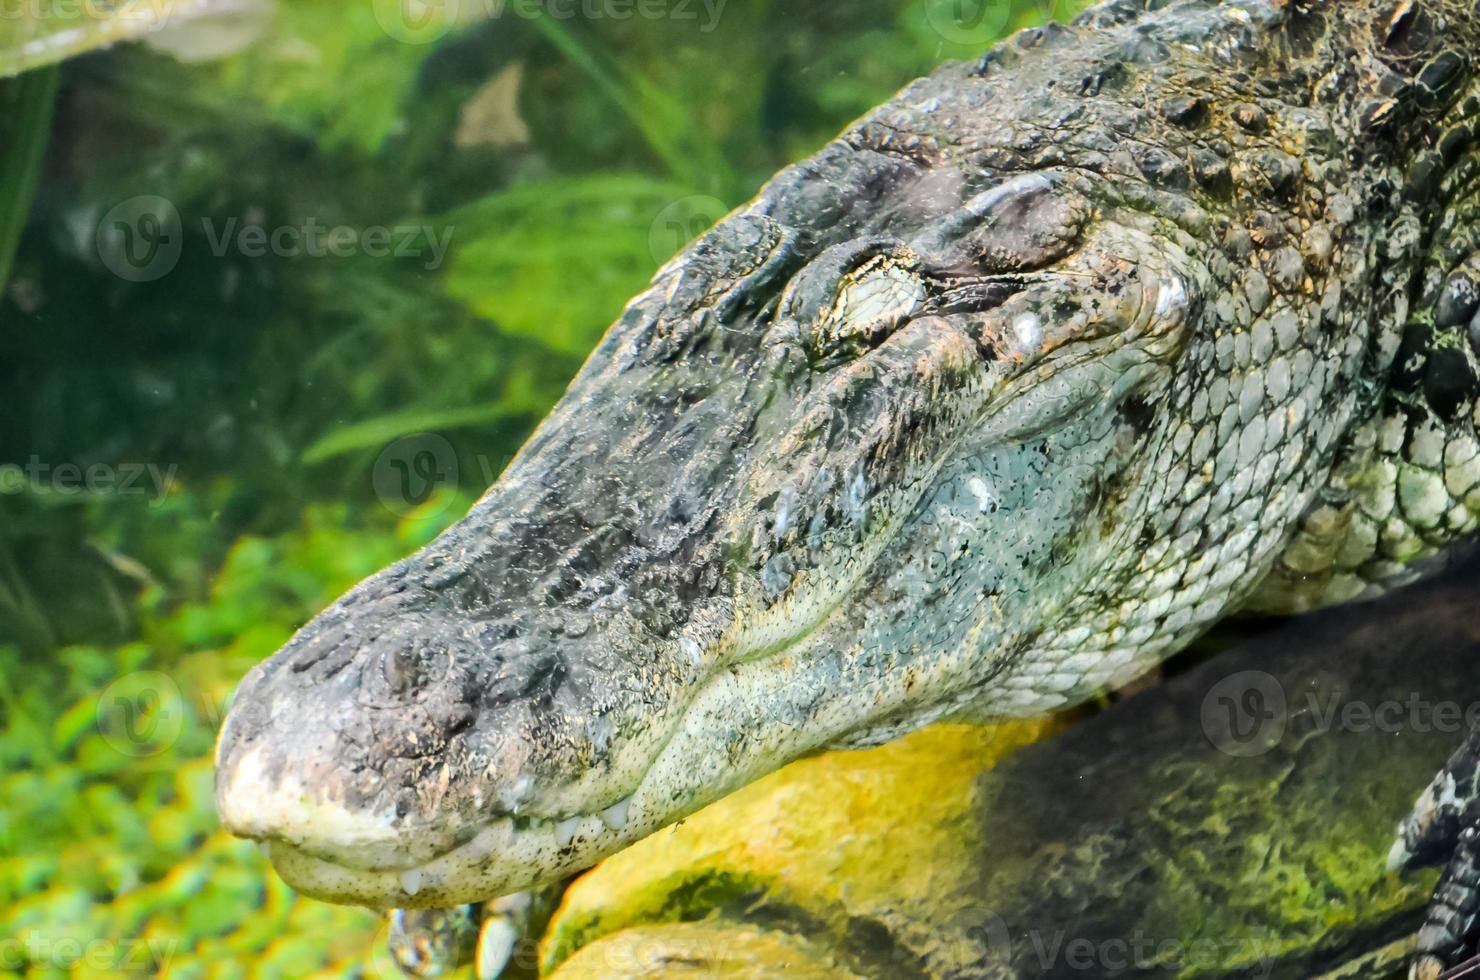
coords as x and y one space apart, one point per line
369 858
329 851
471 871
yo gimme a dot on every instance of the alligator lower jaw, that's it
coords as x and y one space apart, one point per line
497 860
368 859
371 858
745 720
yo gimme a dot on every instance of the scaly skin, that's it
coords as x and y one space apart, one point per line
1005 396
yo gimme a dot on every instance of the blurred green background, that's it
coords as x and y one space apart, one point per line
284 286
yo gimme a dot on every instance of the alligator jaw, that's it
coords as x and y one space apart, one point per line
360 857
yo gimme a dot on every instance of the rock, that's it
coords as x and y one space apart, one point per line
700 950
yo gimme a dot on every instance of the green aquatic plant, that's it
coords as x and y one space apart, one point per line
109 833
25 127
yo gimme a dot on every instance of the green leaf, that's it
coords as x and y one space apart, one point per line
343 72
556 260
670 131
377 432
25 129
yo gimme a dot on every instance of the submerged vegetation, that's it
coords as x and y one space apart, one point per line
283 290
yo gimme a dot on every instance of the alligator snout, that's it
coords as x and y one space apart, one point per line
395 732
335 745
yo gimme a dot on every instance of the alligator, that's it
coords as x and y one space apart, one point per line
1009 393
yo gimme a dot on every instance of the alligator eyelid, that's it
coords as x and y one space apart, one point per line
967 287
1006 278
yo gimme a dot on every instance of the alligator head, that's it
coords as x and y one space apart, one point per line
1003 396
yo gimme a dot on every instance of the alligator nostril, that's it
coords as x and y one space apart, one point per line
406 669
399 670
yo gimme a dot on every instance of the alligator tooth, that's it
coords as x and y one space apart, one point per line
1172 297
565 830
1027 334
496 943
411 881
983 493
786 504
615 816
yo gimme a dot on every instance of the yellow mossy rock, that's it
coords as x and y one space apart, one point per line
842 848
700 950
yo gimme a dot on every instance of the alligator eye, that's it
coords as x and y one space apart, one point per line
853 296
872 303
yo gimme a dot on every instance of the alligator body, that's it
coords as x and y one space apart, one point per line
1010 392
